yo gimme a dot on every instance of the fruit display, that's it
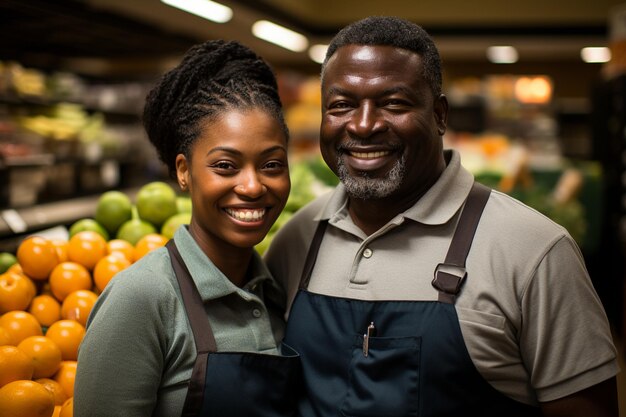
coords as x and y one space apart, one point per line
49 287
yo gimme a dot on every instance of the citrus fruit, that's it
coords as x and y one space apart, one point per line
55 388
88 224
46 309
183 204
121 246
44 354
5 337
173 223
26 399
156 202
66 375
67 334
16 292
86 248
77 306
67 410
37 257
6 261
134 229
107 267
20 325
14 365
112 210
147 243
68 277
61 246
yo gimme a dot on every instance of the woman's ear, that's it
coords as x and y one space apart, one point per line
182 172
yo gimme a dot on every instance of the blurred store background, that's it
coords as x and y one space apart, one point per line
537 92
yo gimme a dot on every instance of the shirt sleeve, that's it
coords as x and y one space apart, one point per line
565 341
121 358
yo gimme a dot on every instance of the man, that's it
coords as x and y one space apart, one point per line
412 302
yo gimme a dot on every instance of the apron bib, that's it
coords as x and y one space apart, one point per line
394 358
233 384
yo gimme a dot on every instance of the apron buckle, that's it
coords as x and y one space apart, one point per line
449 278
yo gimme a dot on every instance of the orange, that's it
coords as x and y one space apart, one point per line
67 410
61 247
14 365
20 325
5 337
106 268
86 248
67 334
37 256
46 309
16 292
77 305
44 353
68 277
147 243
26 399
66 375
122 246
55 388
57 411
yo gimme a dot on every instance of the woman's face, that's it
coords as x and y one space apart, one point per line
238 178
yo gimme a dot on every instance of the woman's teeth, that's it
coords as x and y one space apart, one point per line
369 155
246 215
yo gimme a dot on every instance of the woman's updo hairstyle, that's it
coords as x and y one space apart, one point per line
212 77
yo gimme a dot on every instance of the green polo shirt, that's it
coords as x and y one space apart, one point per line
138 353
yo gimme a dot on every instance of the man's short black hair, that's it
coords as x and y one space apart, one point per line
392 31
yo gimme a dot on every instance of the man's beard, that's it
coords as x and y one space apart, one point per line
366 188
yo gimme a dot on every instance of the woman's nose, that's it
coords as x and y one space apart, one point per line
250 186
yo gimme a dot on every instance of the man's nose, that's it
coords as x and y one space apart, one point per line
366 121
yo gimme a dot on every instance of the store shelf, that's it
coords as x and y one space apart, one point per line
16 223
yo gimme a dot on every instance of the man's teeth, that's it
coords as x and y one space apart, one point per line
246 215
369 155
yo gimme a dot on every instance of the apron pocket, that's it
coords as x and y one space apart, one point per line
386 382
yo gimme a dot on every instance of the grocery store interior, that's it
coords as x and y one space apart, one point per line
537 92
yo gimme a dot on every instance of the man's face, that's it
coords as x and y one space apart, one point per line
381 126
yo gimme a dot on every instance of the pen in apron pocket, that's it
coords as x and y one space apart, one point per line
370 332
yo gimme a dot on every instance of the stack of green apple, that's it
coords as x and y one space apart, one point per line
156 209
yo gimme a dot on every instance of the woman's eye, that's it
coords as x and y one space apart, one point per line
275 165
223 165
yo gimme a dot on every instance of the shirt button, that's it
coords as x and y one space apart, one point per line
256 313
367 253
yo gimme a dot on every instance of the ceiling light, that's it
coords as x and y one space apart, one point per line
595 54
204 8
502 54
280 36
318 52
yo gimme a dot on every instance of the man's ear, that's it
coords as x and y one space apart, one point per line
182 172
441 113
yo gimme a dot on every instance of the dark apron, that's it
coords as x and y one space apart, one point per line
412 361
233 384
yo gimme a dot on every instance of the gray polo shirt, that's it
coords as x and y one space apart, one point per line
530 318
137 356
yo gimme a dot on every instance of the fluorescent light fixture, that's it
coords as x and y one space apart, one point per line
280 36
207 9
502 54
598 54
318 52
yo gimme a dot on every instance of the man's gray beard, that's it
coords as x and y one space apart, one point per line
371 188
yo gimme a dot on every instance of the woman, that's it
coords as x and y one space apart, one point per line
194 327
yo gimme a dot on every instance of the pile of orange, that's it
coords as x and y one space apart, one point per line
45 301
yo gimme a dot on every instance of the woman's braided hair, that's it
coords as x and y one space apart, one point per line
213 77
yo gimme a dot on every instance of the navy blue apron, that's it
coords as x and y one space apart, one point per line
233 384
394 358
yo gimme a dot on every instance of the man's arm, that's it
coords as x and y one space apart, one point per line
599 400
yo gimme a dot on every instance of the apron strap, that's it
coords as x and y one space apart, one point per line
201 328
311 257
450 275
